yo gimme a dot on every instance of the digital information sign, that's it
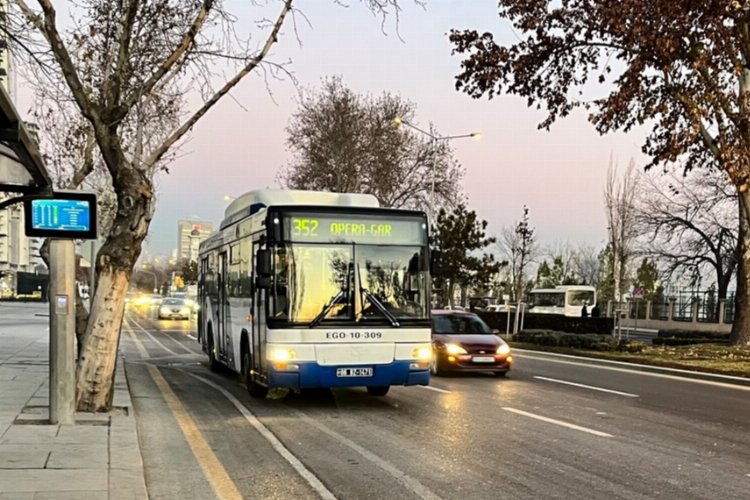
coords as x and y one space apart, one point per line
355 228
65 215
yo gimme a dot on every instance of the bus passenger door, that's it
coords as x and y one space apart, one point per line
258 333
221 340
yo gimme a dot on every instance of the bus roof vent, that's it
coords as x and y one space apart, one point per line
253 201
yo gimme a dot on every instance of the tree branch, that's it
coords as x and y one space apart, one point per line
160 151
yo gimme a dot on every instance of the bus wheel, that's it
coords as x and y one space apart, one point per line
378 390
213 365
253 387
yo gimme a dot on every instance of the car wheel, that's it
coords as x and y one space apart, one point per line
378 390
434 367
253 387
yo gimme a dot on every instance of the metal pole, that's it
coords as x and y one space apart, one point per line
62 357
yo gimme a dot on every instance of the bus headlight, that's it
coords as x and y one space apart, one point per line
454 349
422 353
503 349
280 354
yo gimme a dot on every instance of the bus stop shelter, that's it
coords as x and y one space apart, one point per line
21 167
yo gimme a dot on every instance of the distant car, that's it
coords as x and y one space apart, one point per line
172 308
156 299
500 308
461 341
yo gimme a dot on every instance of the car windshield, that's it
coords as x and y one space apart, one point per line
455 324
173 302
347 282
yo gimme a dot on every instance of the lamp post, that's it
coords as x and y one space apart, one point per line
436 139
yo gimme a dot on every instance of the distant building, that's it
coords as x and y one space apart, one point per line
17 252
190 233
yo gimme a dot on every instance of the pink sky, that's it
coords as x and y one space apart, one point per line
559 175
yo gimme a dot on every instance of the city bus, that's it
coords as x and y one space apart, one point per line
305 289
567 300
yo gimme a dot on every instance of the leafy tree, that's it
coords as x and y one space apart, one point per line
647 278
461 239
120 62
190 272
680 68
551 276
606 279
348 143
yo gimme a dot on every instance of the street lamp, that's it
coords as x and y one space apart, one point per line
398 121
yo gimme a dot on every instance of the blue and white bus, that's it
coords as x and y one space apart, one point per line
567 300
305 289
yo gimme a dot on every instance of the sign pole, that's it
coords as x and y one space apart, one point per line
62 354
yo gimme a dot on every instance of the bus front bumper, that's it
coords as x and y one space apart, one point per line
309 375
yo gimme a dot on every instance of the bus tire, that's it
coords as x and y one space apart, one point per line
253 387
378 390
213 364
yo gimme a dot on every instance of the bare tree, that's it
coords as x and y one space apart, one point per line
689 223
345 142
619 202
517 246
121 61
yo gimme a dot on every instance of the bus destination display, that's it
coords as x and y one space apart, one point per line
327 228
64 216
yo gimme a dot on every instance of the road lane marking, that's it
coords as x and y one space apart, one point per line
407 481
153 338
138 344
214 471
557 422
432 388
193 337
627 367
594 388
277 445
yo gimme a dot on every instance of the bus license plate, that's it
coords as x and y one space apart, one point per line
354 372
483 359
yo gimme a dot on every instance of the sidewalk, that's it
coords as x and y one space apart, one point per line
97 458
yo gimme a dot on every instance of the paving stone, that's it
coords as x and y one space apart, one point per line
17 496
79 457
57 480
72 495
127 484
29 434
20 456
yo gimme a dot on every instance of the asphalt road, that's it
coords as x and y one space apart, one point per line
549 430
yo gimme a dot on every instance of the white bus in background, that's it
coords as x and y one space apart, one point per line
305 289
567 300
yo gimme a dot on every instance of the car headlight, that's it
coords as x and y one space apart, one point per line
454 349
503 349
185 310
164 310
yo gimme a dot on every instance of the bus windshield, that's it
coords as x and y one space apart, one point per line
580 297
314 283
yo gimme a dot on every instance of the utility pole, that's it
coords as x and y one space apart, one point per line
62 354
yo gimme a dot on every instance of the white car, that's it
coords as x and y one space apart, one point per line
172 308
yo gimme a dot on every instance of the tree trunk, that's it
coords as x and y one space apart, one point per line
114 264
740 335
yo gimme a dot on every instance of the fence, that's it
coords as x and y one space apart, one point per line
703 311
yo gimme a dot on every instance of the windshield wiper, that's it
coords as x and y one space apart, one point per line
322 314
374 301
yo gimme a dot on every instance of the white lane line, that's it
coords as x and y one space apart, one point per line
192 337
602 389
277 445
152 337
557 422
407 481
436 389
627 367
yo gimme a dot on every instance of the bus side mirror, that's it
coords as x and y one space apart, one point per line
435 263
263 263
